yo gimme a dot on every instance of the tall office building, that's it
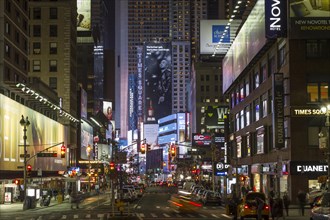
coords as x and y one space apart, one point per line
52 55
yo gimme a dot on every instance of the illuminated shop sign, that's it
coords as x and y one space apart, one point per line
306 111
275 18
278 116
308 167
201 140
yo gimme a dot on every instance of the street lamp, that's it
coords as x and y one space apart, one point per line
326 111
89 149
24 123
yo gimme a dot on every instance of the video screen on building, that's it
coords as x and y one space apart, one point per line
83 15
86 140
158 80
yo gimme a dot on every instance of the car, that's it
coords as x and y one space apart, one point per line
212 197
321 209
180 184
183 202
126 195
248 206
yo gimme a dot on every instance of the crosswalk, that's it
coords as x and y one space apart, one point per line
177 215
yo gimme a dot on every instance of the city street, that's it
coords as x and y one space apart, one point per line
152 205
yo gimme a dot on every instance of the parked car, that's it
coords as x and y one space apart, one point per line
212 197
321 209
248 207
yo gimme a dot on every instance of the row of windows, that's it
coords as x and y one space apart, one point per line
37 30
37 13
18 59
37 48
36 66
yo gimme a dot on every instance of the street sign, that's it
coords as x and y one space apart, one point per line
22 155
47 154
19 167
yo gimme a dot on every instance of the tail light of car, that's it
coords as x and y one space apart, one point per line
266 207
195 204
246 206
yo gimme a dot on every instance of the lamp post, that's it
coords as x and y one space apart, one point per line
89 167
326 110
24 123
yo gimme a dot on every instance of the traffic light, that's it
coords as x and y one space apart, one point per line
173 150
148 147
112 166
17 182
242 178
143 149
63 149
28 170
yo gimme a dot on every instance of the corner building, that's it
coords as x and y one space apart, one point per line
275 139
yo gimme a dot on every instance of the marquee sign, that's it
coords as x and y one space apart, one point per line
308 167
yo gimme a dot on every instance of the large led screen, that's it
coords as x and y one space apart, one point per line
42 133
309 19
158 79
108 112
83 15
249 41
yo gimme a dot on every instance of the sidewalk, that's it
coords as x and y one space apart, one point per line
18 206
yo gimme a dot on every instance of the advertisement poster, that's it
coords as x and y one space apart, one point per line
158 80
309 19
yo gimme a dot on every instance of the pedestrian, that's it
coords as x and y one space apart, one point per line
286 203
302 201
260 207
75 199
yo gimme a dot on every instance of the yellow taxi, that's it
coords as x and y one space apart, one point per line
183 202
248 207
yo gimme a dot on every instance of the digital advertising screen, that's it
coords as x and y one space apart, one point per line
158 79
83 15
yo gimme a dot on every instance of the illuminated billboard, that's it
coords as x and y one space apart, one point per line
158 80
108 112
86 140
248 42
214 116
83 15
211 33
83 104
309 19
276 18
42 133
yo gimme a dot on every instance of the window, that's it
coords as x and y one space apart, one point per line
207 78
318 92
52 48
281 56
36 31
241 96
260 143
53 82
37 13
7 50
257 110
317 48
53 66
242 118
237 121
272 65
248 145
239 146
247 115
202 88
247 86
216 88
17 58
202 77
36 47
36 66
53 13
264 105
263 71
7 28
53 30
256 79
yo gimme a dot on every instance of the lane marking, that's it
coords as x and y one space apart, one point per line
166 215
75 216
153 215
